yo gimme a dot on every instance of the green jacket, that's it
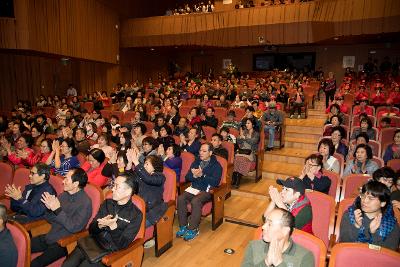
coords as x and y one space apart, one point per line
294 256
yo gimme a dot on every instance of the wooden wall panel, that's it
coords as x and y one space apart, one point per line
74 28
316 21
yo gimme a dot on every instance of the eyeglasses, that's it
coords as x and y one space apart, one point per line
368 197
387 179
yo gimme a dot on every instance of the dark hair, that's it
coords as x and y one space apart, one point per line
131 182
151 141
156 162
28 139
386 119
71 144
167 128
287 220
122 154
363 135
38 128
210 147
3 213
106 137
317 158
368 121
115 117
250 108
94 126
197 110
212 109
43 168
338 117
327 142
386 172
176 149
143 127
378 190
198 131
253 122
128 137
218 135
226 129
367 149
79 176
48 143
396 132
80 129
98 155
336 106
341 130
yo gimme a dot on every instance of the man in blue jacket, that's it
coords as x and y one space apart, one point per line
205 173
27 204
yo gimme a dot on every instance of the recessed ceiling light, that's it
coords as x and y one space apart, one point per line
152 49
336 38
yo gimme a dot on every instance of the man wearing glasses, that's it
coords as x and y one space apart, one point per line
27 204
276 248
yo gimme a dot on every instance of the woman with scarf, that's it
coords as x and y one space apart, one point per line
370 219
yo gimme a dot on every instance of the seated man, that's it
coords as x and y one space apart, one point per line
370 219
181 128
205 173
67 214
230 122
210 119
273 119
8 250
293 199
115 226
81 143
27 204
276 248
218 149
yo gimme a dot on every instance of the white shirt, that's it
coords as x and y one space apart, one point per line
72 91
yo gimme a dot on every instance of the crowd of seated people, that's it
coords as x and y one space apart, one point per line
192 8
146 128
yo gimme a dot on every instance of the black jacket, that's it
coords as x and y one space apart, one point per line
130 218
151 189
210 121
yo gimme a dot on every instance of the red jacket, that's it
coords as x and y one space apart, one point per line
395 97
360 95
378 100
300 204
357 110
29 161
94 175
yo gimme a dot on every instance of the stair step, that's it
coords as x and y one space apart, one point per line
276 169
316 112
302 143
311 116
307 122
288 155
312 136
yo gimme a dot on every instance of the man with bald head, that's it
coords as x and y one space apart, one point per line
276 248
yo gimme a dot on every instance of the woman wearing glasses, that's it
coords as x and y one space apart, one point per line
370 219
312 175
63 156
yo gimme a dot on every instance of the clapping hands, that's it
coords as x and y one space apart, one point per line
13 192
276 197
109 221
50 201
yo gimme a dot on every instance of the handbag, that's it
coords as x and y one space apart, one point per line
91 249
244 151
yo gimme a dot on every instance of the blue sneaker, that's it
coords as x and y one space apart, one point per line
191 234
182 231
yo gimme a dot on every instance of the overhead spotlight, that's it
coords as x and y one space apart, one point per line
152 49
372 52
335 38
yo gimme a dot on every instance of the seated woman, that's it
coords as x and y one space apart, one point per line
23 154
194 117
370 219
113 228
124 141
172 158
192 144
96 160
333 110
63 157
103 144
362 138
245 158
312 175
326 150
45 151
151 185
139 131
362 163
297 102
37 135
365 127
335 121
164 137
393 150
339 134
149 148
91 131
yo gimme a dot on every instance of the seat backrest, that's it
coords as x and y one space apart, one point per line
230 147
340 158
81 158
359 254
351 184
234 132
323 210
224 165
149 126
386 135
376 147
378 161
169 185
119 114
261 142
343 206
394 164
105 113
209 131
184 110
6 176
21 177
57 182
96 195
22 242
220 112
141 205
187 160
306 240
334 190
128 116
